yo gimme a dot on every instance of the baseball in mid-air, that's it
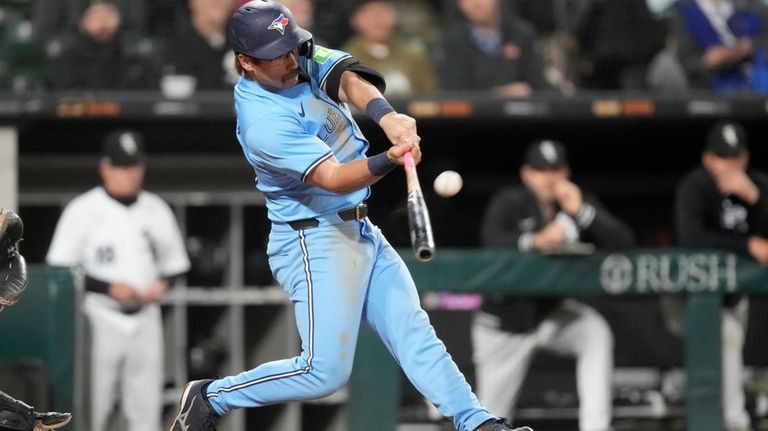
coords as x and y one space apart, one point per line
448 183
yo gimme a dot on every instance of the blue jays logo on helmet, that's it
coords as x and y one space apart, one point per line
251 25
279 24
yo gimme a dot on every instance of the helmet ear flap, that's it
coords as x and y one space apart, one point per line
305 49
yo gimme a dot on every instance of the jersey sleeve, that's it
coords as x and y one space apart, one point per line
691 228
279 143
500 226
67 243
601 227
328 64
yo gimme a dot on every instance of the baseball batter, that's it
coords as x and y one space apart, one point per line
128 245
297 132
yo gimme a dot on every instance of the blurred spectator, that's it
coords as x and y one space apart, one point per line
199 46
617 40
53 19
659 7
331 21
550 214
304 12
665 72
724 203
556 23
163 16
419 22
485 49
718 42
22 58
405 66
105 49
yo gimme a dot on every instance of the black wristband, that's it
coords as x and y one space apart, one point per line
96 285
378 108
380 165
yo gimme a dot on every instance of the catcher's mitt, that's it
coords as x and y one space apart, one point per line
51 420
13 268
17 415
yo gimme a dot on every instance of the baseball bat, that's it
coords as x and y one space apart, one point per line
418 215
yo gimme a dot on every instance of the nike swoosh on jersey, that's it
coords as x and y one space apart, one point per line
301 113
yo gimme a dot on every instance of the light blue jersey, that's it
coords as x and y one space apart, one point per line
286 134
338 274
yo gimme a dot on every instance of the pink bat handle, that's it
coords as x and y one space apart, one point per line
408 159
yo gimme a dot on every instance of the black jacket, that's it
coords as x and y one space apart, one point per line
466 67
120 64
198 58
706 218
514 214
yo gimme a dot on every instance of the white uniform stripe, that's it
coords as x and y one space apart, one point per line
257 381
314 165
310 299
311 317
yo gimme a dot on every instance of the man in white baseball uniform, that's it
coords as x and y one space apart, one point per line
126 244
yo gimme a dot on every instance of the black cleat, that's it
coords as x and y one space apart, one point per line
195 412
500 424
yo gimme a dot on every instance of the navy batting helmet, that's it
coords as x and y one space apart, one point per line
266 29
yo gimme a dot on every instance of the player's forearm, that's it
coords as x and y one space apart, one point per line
722 57
399 128
357 91
343 178
602 228
691 231
608 231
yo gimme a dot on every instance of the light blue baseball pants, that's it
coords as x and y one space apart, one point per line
336 275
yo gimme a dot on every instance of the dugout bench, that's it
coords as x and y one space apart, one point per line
703 274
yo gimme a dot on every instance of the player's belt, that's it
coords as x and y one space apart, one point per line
357 212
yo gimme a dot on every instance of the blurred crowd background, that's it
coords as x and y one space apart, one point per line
513 47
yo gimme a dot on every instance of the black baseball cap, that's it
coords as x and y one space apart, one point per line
123 147
727 139
546 154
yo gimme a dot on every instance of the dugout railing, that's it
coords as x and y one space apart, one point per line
42 325
702 275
